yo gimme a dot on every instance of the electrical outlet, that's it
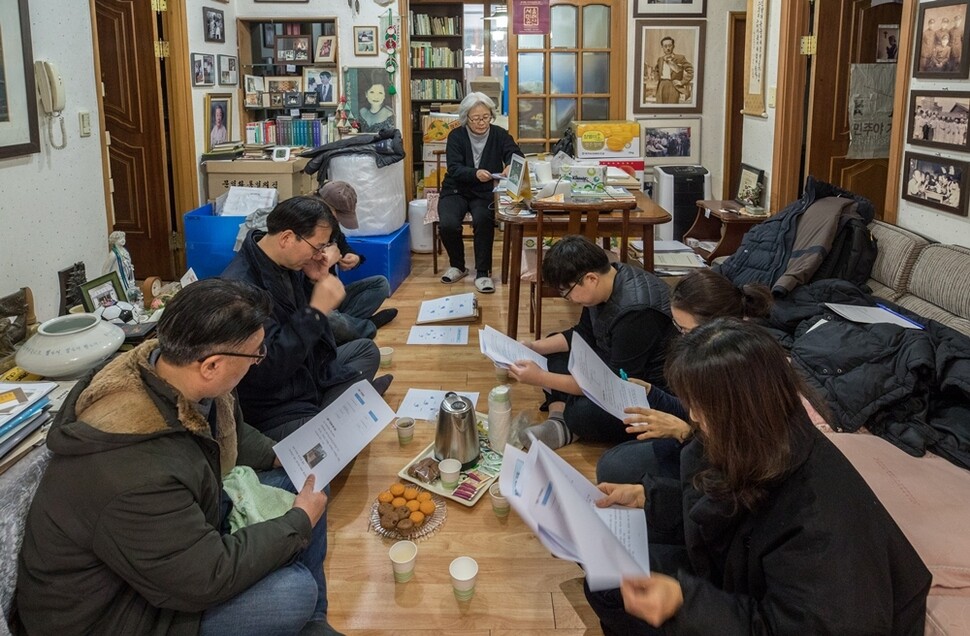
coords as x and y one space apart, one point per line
84 118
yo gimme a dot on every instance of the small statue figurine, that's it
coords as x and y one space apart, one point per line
119 260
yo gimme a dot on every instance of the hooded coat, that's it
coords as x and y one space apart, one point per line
125 533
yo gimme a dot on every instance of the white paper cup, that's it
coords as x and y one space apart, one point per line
500 505
405 430
450 469
464 571
387 353
403 554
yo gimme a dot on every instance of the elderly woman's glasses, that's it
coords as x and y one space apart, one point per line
481 119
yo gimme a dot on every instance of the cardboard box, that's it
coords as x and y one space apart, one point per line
607 139
209 240
427 152
388 255
286 176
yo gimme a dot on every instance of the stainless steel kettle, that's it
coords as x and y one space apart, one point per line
456 435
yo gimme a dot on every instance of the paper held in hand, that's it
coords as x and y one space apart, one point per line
327 443
557 503
504 350
600 384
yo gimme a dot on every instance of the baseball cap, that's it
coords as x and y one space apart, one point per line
342 199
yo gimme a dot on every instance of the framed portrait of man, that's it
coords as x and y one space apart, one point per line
938 119
941 41
669 66
322 81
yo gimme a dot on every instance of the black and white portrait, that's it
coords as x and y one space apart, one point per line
214 22
669 59
941 40
938 119
887 43
937 182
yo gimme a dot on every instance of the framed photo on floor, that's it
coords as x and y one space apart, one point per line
671 140
103 291
936 55
669 66
936 182
938 119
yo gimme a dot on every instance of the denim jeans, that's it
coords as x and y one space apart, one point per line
350 320
283 601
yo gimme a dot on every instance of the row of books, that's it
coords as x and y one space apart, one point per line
436 89
224 151
424 55
24 415
423 24
289 131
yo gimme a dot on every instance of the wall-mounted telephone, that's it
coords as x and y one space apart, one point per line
51 90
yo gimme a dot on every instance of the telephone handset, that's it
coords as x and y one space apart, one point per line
51 90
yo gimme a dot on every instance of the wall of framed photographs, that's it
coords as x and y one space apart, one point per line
935 170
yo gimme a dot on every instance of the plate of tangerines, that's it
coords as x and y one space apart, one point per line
407 512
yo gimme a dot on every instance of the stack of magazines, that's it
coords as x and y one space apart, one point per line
24 414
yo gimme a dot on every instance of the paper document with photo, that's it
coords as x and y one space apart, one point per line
327 443
504 350
600 384
872 315
557 503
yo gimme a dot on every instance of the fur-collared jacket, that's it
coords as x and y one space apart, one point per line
124 535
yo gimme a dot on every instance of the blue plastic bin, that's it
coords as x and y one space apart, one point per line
209 240
388 255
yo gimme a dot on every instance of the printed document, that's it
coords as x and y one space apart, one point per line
448 308
438 335
424 404
327 443
557 503
598 382
872 315
505 351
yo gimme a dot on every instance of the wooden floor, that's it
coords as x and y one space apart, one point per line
521 590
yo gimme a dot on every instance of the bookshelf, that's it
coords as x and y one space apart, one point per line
437 67
283 105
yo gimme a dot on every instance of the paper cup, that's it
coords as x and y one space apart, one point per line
403 554
387 353
405 430
450 469
500 505
464 571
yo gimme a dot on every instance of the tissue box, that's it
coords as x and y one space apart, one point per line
607 139
388 255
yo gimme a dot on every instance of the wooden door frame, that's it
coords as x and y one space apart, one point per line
404 69
733 18
897 138
181 148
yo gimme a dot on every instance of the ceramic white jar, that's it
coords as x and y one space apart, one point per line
69 345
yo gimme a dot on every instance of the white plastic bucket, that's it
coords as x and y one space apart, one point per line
421 239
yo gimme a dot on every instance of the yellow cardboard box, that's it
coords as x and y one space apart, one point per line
286 176
607 139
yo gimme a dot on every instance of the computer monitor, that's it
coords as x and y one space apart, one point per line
518 184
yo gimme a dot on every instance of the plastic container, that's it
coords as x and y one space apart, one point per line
421 239
499 417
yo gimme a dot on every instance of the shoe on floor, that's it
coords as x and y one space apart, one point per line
485 285
453 275
383 317
319 628
382 383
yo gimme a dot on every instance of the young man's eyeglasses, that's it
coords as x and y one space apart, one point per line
565 294
259 356
481 119
322 250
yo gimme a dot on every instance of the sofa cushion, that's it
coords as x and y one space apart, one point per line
928 497
938 286
898 249
947 615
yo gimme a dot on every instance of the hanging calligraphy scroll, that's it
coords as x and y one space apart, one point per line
755 40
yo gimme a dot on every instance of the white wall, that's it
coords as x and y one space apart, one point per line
758 144
52 208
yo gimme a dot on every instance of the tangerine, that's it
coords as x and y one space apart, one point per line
413 505
385 497
397 489
427 507
410 493
398 502
425 496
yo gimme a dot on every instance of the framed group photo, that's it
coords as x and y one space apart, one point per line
669 66
214 22
103 291
941 40
203 69
670 8
936 182
292 49
938 119
218 119
671 141
283 84
326 49
365 40
323 82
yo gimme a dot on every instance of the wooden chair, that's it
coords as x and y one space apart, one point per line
580 219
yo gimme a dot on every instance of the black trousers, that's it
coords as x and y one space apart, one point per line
451 211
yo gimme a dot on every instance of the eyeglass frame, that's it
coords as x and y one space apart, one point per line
322 250
482 119
259 356
572 287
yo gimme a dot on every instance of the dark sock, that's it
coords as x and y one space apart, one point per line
383 317
382 383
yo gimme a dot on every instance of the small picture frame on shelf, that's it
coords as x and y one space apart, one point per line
310 99
253 84
103 291
326 49
293 100
283 84
203 69
276 100
365 40
293 49
256 100
214 23
269 36
750 185
228 70
323 82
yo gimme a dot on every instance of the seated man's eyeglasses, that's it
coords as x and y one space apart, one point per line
565 293
322 250
259 356
481 119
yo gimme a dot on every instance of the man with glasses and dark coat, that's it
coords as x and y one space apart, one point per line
304 370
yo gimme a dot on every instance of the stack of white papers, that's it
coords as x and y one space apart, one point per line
505 351
557 503
457 308
598 382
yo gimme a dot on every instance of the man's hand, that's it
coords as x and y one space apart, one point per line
349 261
328 293
653 598
653 424
317 268
526 372
312 503
333 255
483 175
629 495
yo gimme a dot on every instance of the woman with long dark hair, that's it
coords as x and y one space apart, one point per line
781 534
